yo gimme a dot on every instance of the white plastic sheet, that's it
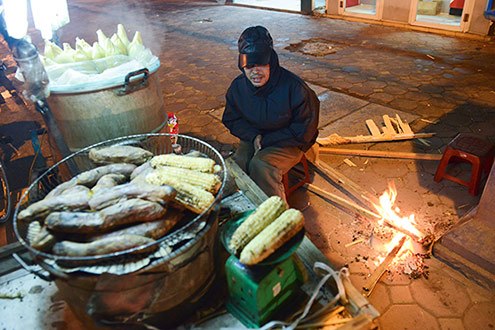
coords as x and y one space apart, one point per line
97 74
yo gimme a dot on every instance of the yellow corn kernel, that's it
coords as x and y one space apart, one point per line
201 164
266 212
191 197
281 230
207 181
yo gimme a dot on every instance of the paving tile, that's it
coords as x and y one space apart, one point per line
440 295
408 317
380 298
450 324
480 316
400 294
334 106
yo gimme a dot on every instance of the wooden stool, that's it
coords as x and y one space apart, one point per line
306 179
471 149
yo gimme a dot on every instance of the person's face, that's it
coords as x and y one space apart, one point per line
258 75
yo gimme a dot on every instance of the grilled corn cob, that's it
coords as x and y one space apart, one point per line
272 237
207 181
266 212
191 197
193 163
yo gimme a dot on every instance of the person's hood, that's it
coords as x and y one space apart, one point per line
255 45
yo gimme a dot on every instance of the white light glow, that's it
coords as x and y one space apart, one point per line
15 14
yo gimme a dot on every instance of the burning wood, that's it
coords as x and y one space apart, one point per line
385 218
375 277
386 214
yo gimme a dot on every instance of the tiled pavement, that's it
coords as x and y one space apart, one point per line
374 70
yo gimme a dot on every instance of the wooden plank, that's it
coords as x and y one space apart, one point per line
388 124
245 183
333 140
386 132
396 125
380 154
341 201
404 125
373 128
380 270
346 183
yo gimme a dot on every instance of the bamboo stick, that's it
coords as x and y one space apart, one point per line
378 273
380 154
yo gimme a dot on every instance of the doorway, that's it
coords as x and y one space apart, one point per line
444 14
289 5
361 8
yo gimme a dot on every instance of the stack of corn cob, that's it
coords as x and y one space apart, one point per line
192 177
265 230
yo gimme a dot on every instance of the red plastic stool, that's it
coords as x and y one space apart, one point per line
471 149
285 178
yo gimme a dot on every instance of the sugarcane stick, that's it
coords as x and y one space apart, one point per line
380 270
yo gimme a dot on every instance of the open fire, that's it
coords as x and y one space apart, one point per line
405 249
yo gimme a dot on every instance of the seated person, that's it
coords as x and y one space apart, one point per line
271 110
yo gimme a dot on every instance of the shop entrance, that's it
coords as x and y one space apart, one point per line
290 5
445 14
361 8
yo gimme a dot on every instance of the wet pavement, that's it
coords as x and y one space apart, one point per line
439 84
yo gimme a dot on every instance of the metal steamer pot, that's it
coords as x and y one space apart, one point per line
116 288
130 105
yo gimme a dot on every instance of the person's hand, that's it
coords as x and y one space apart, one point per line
257 143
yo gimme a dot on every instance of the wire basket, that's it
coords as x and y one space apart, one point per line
157 143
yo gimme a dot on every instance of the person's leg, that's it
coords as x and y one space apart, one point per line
243 155
269 165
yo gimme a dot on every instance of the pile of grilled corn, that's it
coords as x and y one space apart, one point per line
130 199
265 230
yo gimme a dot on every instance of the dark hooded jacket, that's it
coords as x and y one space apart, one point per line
284 111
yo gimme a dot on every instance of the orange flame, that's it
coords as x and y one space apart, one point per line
391 214
387 211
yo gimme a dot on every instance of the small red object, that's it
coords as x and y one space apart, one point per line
172 123
285 178
471 149
173 126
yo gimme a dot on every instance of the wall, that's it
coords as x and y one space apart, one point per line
332 7
479 24
396 10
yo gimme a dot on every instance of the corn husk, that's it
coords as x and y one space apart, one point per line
122 35
136 46
67 55
98 52
52 50
82 45
119 45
